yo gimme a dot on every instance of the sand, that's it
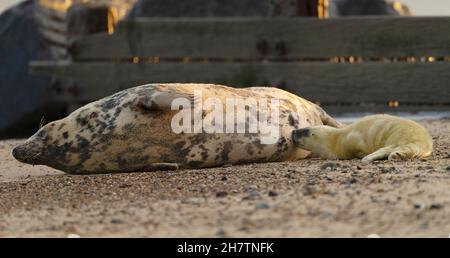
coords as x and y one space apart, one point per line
292 199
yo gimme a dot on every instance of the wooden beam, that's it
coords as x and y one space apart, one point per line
55 38
49 23
412 83
52 13
244 38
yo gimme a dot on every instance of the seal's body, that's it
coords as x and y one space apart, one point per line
132 130
372 138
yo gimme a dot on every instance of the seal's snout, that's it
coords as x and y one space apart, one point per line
19 153
25 154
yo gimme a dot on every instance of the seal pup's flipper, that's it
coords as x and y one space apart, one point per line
408 151
382 153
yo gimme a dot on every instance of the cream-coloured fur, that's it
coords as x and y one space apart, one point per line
371 138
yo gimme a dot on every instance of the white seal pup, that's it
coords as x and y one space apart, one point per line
372 138
133 130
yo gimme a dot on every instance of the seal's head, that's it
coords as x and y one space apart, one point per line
31 151
105 135
317 139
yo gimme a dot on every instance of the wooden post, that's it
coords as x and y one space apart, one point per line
84 20
306 8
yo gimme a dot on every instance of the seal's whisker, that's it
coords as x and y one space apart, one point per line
42 122
31 156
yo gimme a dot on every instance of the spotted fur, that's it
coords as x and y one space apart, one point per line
130 131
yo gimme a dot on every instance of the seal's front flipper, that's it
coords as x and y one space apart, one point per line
328 120
161 167
164 100
382 153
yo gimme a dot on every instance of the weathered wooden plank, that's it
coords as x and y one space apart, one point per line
59 52
52 13
418 83
49 23
56 38
352 111
302 37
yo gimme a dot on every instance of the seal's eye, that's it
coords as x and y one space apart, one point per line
42 134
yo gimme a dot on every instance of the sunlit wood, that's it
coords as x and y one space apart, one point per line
394 104
186 59
322 9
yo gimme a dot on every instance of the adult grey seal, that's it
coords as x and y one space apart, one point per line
133 130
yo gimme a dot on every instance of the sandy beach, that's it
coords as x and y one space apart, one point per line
291 199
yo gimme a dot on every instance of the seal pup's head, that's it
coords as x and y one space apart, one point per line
317 139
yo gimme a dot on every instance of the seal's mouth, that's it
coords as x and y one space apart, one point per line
26 155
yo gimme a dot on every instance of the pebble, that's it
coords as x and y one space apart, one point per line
116 221
308 190
243 228
419 206
330 166
250 188
447 168
352 180
387 170
290 176
221 194
436 206
262 205
273 193
253 194
194 189
224 178
221 233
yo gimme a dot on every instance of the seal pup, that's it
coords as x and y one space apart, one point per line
372 138
133 130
